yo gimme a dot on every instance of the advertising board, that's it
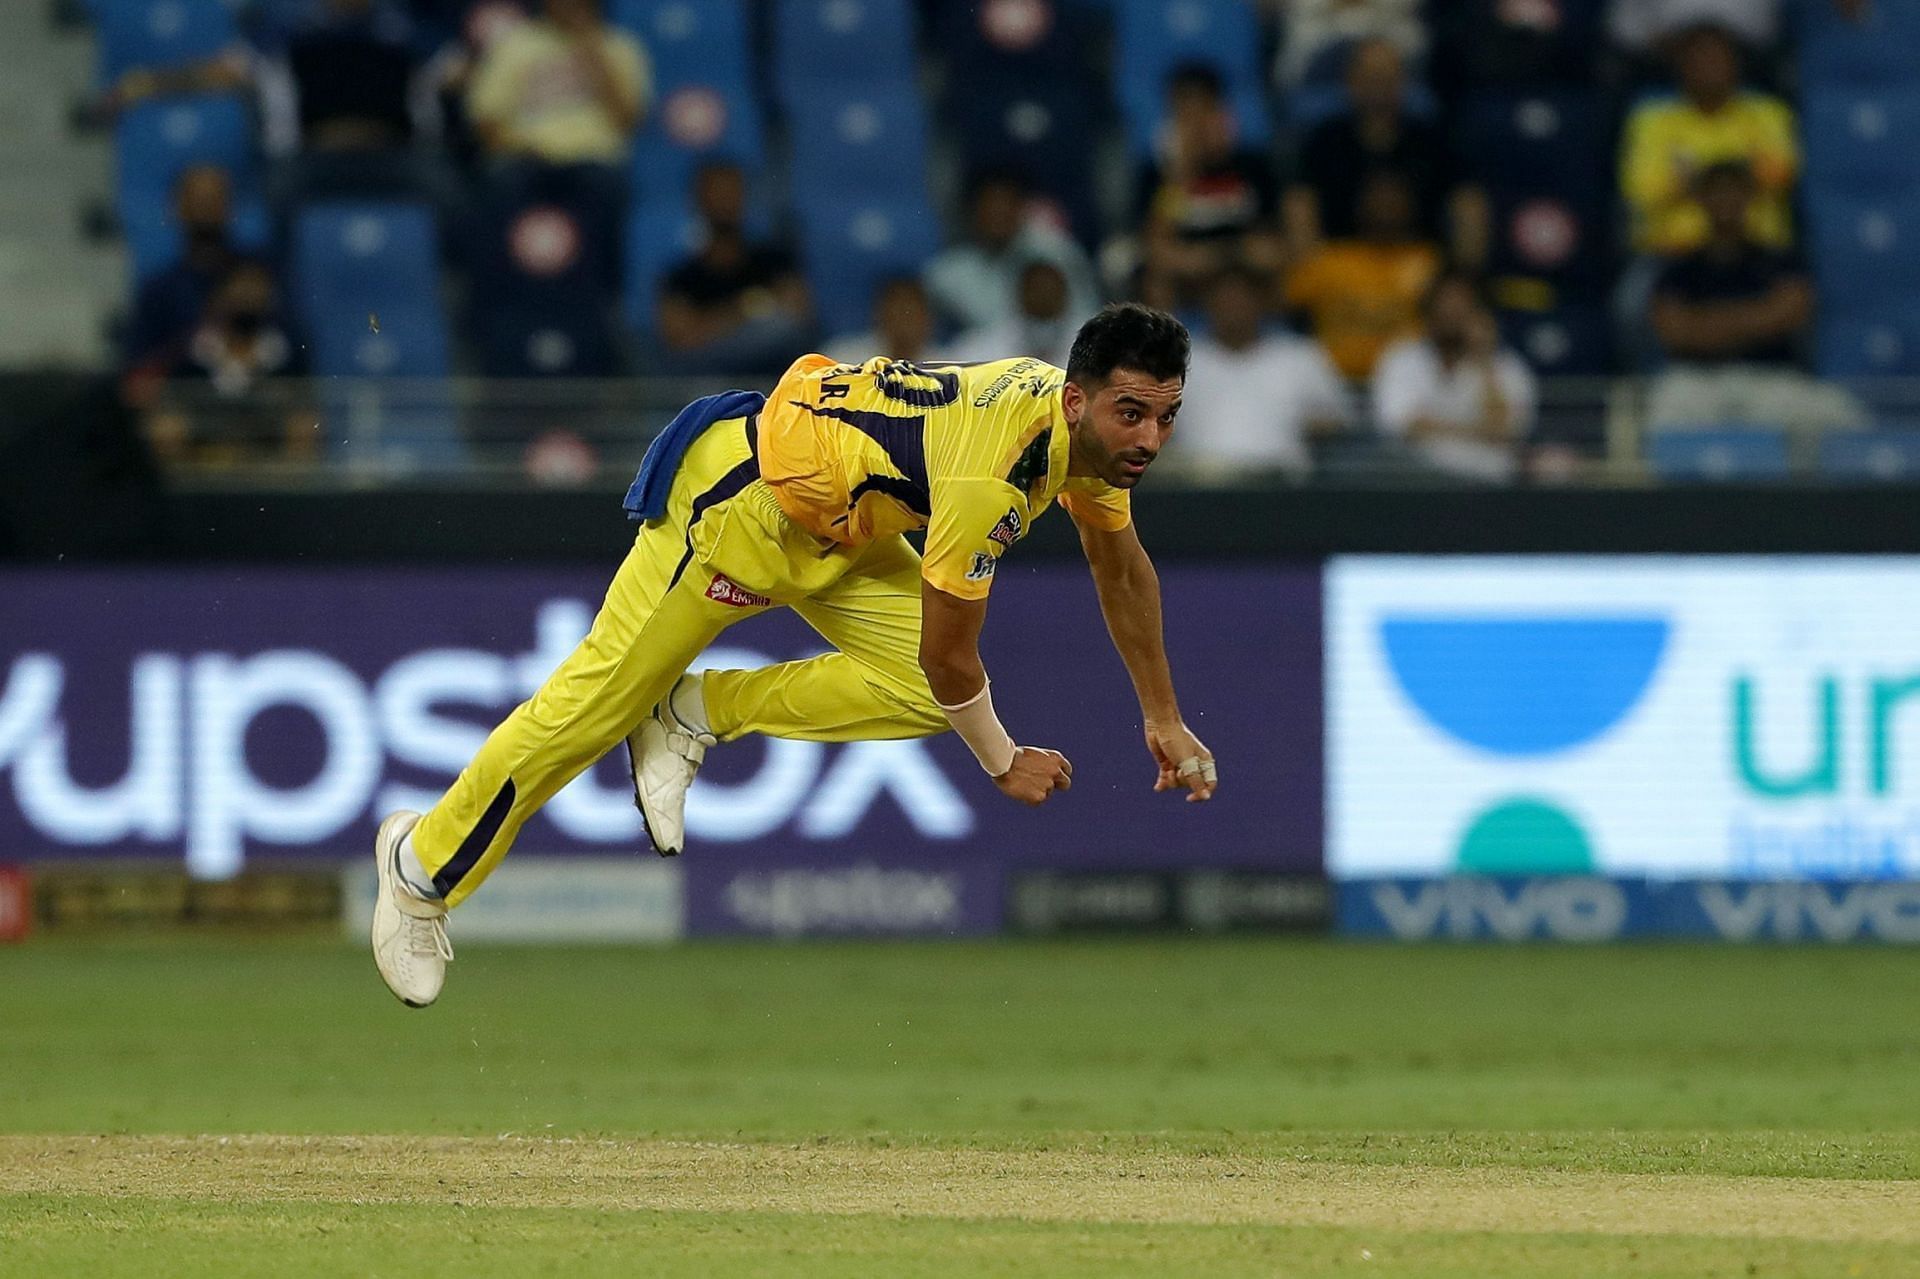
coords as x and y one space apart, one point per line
215 715
1679 718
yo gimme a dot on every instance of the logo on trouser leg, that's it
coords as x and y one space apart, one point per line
726 591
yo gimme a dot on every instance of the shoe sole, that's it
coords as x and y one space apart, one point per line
382 864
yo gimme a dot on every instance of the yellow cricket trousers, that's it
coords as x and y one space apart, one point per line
723 551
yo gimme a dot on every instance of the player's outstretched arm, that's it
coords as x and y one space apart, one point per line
1129 593
950 657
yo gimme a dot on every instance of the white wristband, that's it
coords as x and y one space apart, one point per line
981 730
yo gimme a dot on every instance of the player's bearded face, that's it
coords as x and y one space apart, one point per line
1122 425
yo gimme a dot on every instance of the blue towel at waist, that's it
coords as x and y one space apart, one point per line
647 499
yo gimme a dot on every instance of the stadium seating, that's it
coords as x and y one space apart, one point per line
158 33
1570 340
366 290
1719 454
851 244
1880 48
1037 128
1497 43
706 102
842 41
1865 248
153 143
1544 158
858 136
1886 455
1862 139
659 235
551 340
1867 342
1153 38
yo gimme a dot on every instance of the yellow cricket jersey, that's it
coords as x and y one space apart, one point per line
971 453
1669 141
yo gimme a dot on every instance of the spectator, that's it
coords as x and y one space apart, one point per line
556 103
902 326
975 282
1317 29
1206 201
347 107
1459 398
1361 295
170 304
240 343
1732 316
564 90
1668 143
1254 399
1043 326
1375 133
737 305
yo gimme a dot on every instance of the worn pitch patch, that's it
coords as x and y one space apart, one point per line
849 1178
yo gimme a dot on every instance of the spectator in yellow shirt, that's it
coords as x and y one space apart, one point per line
1362 295
567 89
1713 121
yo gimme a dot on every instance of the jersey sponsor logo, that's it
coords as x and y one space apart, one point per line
998 387
1008 530
726 591
982 567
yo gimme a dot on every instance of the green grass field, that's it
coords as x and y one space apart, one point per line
1258 1108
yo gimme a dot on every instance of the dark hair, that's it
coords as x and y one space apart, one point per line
1456 277
989 176
1202 77
1127 335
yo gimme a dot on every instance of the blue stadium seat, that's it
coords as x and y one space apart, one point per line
659 235
1719 454
1572 340
1862 139
366 289
1865 248
553 340
995 38
858 135
159 33
1882 48
1153 38
1038 128
706 100
1869 342
842 41
152 235
1545 159
153 143
1886 455
849 245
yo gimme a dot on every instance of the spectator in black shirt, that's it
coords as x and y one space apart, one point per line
737 305
170 303
345 108
1732 317
1376 133
1206 201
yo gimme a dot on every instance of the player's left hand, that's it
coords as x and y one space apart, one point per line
1184 761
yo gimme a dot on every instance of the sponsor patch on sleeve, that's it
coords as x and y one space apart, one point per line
982 567
1008 530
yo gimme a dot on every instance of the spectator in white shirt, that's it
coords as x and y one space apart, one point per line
975 283
1044 324
1458 397
1255 398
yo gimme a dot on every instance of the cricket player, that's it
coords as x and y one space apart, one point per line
802 500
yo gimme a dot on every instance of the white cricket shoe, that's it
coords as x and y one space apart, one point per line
664 754
410 945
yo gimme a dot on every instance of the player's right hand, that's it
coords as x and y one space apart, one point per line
1036 773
